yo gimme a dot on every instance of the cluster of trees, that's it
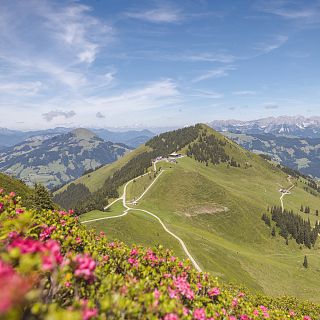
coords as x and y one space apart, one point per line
79 198
208 148
305 209
313 185
293 225
169 142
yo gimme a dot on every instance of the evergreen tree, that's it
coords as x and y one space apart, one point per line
273 232
42 199
305 262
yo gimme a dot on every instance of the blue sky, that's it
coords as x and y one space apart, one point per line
156 63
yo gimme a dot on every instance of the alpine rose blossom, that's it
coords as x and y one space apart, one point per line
85 267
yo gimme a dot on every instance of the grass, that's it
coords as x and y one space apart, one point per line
234 243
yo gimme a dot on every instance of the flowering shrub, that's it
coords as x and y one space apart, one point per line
52 267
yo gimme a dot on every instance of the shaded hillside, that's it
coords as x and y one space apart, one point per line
60 159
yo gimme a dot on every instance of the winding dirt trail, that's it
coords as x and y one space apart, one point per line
285 192
124 203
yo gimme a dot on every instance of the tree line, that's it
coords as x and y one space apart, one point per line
291 224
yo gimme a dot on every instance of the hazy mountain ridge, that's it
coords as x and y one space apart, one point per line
298 126
132 138
58 159
301 154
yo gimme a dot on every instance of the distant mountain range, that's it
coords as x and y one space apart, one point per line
292 141
301 154
131 138
286 126
54 159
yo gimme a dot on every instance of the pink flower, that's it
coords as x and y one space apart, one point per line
307 318
78 240
1 206
255 312
85 267
234 302
88 313
134 252
134 262
199 314
263 308
15 286
12 194
171 316
19 211
63 222
51 256
67 284
214 292
156 293
244 317
232 318
292 313
46 232
183 286
26 245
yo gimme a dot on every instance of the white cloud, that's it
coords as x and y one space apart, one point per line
159 15
214 73
272 44
244 93
21 88
154 95
210 57
307 12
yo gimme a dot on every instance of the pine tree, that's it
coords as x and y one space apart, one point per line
273 232
42 199
305 262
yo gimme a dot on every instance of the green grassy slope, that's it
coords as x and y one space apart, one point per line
10 184
216 210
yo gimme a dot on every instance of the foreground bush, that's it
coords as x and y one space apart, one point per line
51 267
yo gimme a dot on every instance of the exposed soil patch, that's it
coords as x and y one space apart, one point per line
206 208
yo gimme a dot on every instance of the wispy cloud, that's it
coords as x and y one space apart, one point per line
158 15
49 116
21 88
306 12
206 94
271 44
69 36
244 93
214 73
210 57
